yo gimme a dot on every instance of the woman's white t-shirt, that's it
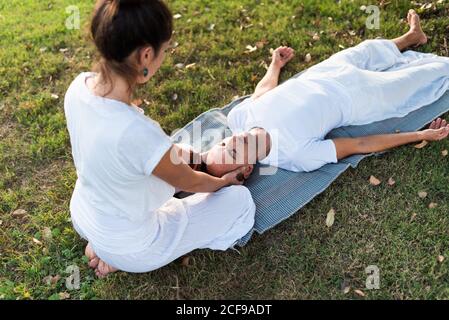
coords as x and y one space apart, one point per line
115 149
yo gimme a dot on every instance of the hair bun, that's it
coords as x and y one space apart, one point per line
128 2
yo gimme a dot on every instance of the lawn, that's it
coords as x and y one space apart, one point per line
389 226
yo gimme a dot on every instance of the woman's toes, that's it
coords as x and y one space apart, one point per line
89 252
103 269
94 262
99 274
92 256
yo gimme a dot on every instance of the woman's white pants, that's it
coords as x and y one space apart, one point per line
214 221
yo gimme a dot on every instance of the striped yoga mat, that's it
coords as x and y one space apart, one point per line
279 196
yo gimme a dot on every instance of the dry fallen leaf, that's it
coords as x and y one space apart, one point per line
261 44
250 49
346 290
264 65
433 205
64 295
19 213
308 58
426 6
54 96
360 293
421 145
374 181
444 153
316 37
413 216
51 280
330 219
55 279
422 194
391 182
186 261
177 16
47 280
46 234
440 259
37 241
179 65
190 66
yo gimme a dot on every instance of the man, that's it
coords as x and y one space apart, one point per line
286 125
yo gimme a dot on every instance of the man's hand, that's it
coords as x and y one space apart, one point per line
282 56
438 130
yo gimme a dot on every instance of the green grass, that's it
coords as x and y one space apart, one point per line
299 259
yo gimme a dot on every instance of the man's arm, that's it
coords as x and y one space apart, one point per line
281 56
439 130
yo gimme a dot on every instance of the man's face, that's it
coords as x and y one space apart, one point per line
232 153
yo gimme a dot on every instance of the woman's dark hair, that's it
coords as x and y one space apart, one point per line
120 27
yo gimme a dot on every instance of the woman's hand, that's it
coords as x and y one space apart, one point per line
282 56
238 177
438 130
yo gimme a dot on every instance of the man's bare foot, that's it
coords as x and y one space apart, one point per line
92 256
416 35
103 269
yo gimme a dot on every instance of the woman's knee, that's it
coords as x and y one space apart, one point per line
239 198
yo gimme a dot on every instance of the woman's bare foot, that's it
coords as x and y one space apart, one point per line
92 256
103 269
416 35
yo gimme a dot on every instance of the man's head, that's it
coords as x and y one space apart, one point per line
239 150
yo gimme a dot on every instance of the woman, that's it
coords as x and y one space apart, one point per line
127 171
371 82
